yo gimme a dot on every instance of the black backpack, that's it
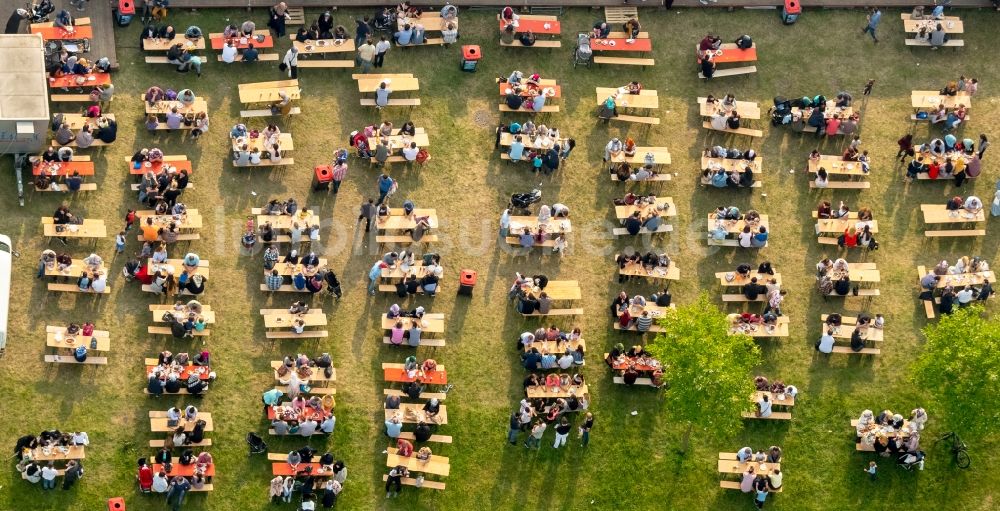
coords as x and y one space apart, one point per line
744 42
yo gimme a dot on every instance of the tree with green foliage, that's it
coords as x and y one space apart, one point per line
960 369
709 371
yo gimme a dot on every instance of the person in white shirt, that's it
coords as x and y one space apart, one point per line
381 48
160 483
99 284
825 343
746 237
49 474
973 204
173 414
410 152
744 454
328 424
965 296
229 52
764 406
81 438
255 156
566 361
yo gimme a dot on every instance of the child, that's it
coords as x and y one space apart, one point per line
536 162
129 219
120 243
147 250
872 468
868 88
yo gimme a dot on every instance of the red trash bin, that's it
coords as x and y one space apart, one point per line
126 7
323 177
116 504
467 281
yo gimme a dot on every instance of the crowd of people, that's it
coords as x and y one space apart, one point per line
167 377
635 363
619 155
859 334
251 151
752 235
45 443
758 479
303 483
890 435
952 295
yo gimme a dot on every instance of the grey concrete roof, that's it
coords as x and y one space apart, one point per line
23 89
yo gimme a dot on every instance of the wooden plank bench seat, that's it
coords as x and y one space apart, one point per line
706 181
624 61
68 359
732 71
742 298
268 113
728 242
538 44
638 381
261 57
652 328
780 416
842 185
739 131
440 396
165 330
545 109
637 119
659 177
292 335
955 233
441 439
267 163
735 485
151 59
61 187
295 16
328 63
914 118
409 481
557 312
73 288
404 238
437 343
392 159
72 143
846 350
952 43
547 243
192 236
861 292
393 102
621 231
159 444
83 98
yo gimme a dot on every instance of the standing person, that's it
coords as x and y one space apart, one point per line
385 187
562 433
74 471
515 429
535 437
291 62
983 144
339 172
374 275
381 48
774 299
874 17
366 54
872 470
362 31
367 212
179 486
279 14
49 474
905 147
588 424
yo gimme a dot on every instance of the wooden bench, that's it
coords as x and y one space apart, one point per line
652 328
340 63
955 233
728 242
621 231
293 335
557 312
706 181
516 43
261 57
861 292
268 113
928 304
659 177
637 119
159 444
546 243
67 359
638 381
72 143
620 14
732 71
73 288
393 102
780 416
437 343
735 485
440 396
625 61
441 439
84 98
545 109
842 185
60 187
952 43
409 481
204 487
386 239
165 330
738 131
295 16
180 237
742 298
848 351
391 159
267 163
914 118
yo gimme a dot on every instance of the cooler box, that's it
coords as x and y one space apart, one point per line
790 12
470 57
467 281
322 178
124 12
116 504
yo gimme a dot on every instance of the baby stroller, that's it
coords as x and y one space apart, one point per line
583 54
781 113
249 237
256 443
911 459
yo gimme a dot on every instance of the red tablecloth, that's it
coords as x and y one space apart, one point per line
638 367
184 470
186 373
219 42
70 80
284 469
433 377
737 55
637 45
85 168
54 33
155 167
536 26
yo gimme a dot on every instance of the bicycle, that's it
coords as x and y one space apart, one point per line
959 449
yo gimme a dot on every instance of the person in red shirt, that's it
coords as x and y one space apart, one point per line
404 448
832 125
625 319
850 238
934 169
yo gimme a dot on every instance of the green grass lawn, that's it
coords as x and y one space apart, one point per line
632 461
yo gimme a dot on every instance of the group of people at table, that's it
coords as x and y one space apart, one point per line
758 478
942 158
253 146
93 275
302 462
618 155
31 452
174 372
889 433
623 307
753 234
940 278
633 363
192 118
528 92
162 183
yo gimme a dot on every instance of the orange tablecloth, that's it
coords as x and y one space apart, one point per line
156 166
306 413
55 33
525 91
66 168
737 55
536 26
637 45
219 42
284 469
186 373
70 80
638 367
184 470
433 377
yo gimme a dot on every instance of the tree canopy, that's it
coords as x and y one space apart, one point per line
960 369
709 371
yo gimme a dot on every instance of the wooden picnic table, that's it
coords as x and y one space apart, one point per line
203 372
736 226
845 331
655 311
660 155
553 226
322 46
164 107
177 469
557 346
399 272
647 98
317 376
77 121
284 469
73 270
859 274
733 164
560 290
839 225
56 337
287 320
158 422
288 270
531 91
620 44
742 281
938 214
396 84
620 364
950 26
437 465
396 221
207 315
62 34
430 323
89 229
958 280
284 142
831 110
931 99
664 205
286 411
760 330
536 26
243 42
746 109
837 165
506 139
158 44
671 272
267 92
303 217
774 398
173 165
398 374
543 392
190 220
56 453
412 413
729 52
736 467
398 142
431 21
64 168
90 80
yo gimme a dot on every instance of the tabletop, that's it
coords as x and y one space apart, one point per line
178 268
557 346
87 230
430 323
532 90
646 98
183 470
780 329
965 279
746 109
839 225
742 281
399 375
289 412
189 220
61 34
412 413
317 376
736 226
284 469
64 168
660 155
76 121
401 222
547 27
90 80
207 315
398 142
415 465
950 26
536 142
55 337
831 110
845 331
73 270
731 164
203 372
620 44
288 270
70 452
431 21
553 225
836 165
543 392
640 364
937 214
243 42
775 399
164 107
665 205
267 95
559 290
303 217
287 320
396 84
860 274
400 271
158 44
933 98
172 167
159 424
671 272
736 467
284 142
321 46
